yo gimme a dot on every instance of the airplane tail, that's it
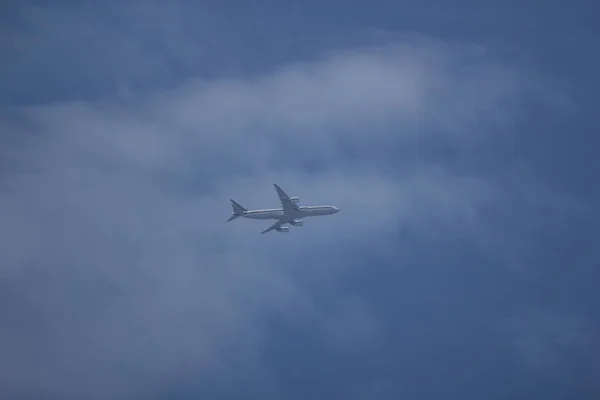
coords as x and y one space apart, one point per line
238 210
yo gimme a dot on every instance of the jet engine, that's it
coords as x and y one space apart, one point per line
297 222
295 200
283 229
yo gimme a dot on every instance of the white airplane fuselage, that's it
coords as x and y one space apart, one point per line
290 212
301 212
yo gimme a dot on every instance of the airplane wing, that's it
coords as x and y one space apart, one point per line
276 225
286 203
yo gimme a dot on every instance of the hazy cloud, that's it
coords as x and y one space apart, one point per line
119 275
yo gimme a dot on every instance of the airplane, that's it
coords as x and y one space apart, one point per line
289 213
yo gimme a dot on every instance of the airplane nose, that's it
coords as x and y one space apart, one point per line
336 209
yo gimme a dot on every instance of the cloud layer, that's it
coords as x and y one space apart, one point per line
119 275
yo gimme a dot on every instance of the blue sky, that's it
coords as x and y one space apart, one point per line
458 140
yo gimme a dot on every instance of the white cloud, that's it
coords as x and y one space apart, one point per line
123 275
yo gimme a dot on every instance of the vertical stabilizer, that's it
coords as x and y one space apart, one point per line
238 210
